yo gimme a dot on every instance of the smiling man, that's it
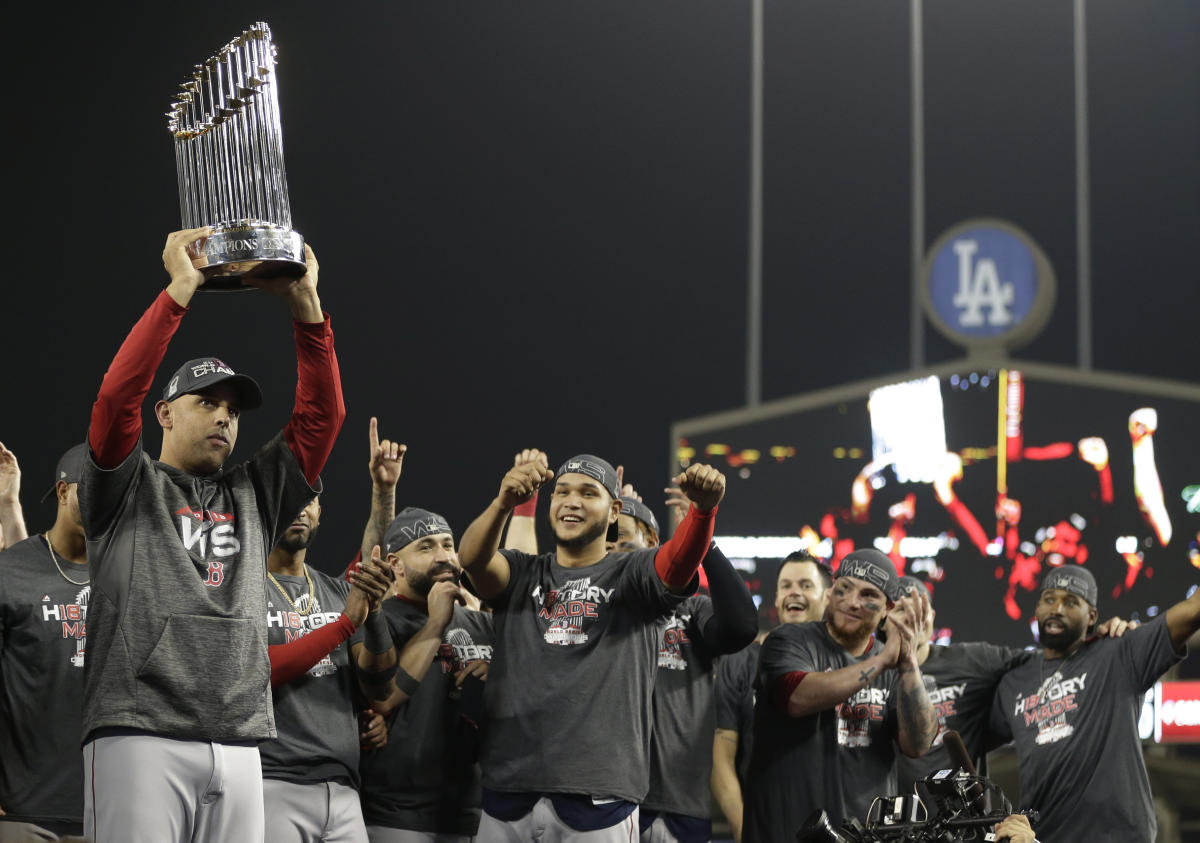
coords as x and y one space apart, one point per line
566 754
176 683
1072 712
833 704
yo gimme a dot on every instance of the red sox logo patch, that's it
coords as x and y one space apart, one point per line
204 533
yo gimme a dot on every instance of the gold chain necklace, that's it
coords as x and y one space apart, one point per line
313 605
54 559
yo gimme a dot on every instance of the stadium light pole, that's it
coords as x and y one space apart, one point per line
1083 222
754 257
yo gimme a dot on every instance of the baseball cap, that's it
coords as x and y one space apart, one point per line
869 565
1072 578
637 509
69 468
592 466
202 372
906 584
412 524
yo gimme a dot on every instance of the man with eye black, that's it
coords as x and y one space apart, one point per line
833 704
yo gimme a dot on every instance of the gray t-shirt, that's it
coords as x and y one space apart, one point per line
681 743
568 696
733 694
964 679
176 640
315 719
839 759
1074 723
42 632
427 777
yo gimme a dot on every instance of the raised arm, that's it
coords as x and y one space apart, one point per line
12 519
414 659
116 422
385 466
522 526
734 621
678 559
319 410
1183 619
917 719
478 550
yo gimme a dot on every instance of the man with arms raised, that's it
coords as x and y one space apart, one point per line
177 691
801 592
568 695
43 610
1072 711
833 703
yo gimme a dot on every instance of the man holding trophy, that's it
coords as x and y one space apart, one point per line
176 683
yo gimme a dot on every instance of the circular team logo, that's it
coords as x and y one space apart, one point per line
987 283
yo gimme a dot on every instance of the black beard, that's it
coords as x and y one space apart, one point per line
423 583
583 539
1059 641
300 542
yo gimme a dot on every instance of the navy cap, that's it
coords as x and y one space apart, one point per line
591 466
412 524
199 374
869 565
635 508
1072 578
69 468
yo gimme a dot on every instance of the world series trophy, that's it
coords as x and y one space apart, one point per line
229 162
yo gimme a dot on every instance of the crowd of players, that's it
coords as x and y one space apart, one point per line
451 687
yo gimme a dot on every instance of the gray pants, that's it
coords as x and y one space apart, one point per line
14 832
324 812
383 834
543 825
150 789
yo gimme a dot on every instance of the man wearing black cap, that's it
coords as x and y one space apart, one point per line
44 590
426 678
833 704
565 755
177 691
1072 712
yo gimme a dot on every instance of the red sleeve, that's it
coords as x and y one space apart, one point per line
677 561
353 566
781 694
117 414
319 411
291 661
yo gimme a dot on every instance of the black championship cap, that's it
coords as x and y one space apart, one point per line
869 565
906 584
594 467
412 524
69 468
638 510
1072 578
199 374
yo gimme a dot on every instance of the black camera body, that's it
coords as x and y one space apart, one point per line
949 807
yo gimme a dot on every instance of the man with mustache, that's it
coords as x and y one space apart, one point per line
833 705
1072 712
801 593
177 679
310 770
424 673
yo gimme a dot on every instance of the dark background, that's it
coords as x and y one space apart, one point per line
532 217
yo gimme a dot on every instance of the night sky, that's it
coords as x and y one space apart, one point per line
531 217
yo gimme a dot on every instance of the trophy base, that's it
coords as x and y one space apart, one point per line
233 252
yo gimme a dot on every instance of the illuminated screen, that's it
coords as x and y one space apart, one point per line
974 482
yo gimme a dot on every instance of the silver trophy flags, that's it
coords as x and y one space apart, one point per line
229 162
